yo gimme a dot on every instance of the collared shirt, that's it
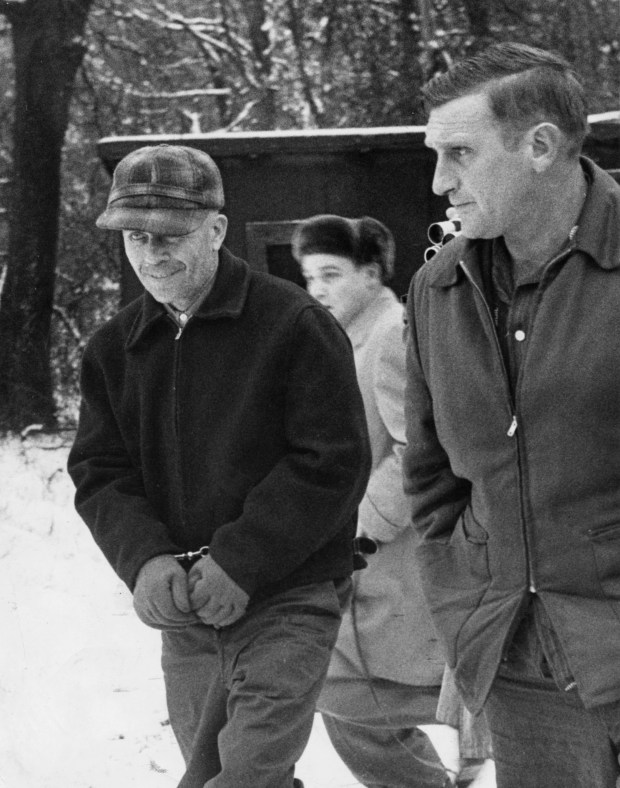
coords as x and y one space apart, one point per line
513 297
181 317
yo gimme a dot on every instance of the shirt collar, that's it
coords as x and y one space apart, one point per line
362 324
597 232
181 316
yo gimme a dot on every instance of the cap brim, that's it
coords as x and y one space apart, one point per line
162 221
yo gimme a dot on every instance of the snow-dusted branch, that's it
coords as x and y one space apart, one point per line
177 94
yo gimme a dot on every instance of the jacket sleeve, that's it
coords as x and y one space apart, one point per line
110 495
313 491
385 509
437 496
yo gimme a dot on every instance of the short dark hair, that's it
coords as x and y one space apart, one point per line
364 241
525 85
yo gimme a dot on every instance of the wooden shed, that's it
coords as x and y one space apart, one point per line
273 179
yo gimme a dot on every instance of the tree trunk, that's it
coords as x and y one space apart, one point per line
47 51
296 28
264 113
479 15
413 60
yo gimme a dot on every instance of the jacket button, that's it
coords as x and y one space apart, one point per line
519 335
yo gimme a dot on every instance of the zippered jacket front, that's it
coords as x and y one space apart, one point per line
245 431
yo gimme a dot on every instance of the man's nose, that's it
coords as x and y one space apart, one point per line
154 251
315 289
443 178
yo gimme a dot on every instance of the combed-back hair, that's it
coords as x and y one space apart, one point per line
525 86
364 241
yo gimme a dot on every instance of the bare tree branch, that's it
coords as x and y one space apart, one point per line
227 29
241 116
178 94
75 332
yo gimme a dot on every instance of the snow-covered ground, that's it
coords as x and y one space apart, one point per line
81 693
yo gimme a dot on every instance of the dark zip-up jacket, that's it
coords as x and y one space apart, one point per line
517 494
246 433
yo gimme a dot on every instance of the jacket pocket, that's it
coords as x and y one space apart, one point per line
461 562
605 541
473 531
469 544
455 575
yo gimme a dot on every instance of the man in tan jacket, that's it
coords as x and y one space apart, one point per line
386 670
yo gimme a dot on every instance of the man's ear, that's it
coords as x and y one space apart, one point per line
546 141
220 225
373 272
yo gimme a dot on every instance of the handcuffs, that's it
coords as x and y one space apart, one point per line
188 559
362 546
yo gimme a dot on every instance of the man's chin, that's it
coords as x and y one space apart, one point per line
163 295
475 230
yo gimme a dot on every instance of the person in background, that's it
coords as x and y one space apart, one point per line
220 457
386 670
513 417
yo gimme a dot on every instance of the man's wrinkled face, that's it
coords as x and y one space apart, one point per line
487 183
175 268
337 283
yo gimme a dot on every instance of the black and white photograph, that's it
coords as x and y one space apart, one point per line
310 394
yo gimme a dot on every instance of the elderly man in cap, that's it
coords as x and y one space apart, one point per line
220 457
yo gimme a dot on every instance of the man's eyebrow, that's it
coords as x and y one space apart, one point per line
459 141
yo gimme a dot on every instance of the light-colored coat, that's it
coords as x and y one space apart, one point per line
394 629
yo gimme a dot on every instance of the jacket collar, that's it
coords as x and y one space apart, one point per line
362 324
226 299
597 233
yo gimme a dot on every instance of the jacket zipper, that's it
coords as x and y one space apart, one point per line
512 428
181 328
177 425
563 255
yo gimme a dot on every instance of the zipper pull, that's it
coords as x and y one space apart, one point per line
183 317
513 427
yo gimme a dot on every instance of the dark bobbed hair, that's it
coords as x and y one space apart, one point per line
364 241
525 85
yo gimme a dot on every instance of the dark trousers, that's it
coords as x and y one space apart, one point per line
373 729
242 699
543 737
541 733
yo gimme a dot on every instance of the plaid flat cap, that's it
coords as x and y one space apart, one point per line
164 189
